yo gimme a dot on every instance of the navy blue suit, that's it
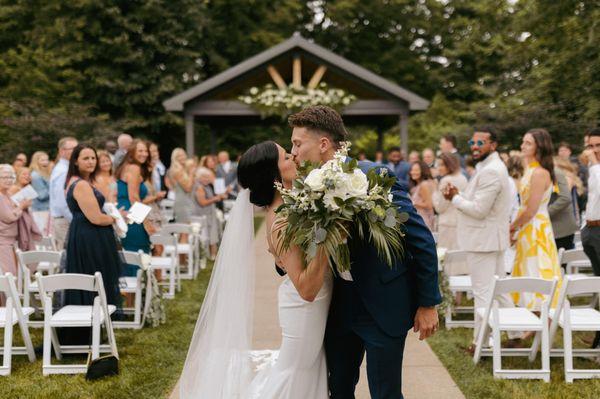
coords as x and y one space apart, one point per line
374 312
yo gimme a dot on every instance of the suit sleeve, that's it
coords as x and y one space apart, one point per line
420 250
563 198
485 194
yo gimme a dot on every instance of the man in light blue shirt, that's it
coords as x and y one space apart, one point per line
59 211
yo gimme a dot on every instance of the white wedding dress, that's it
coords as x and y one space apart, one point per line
221 363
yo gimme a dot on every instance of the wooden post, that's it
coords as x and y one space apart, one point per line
379 140
297 72
317 76
404 132
276 77
189 134
213 142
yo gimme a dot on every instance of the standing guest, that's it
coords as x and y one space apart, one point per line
362 156
413 157
59 211
449 168
564 151
10 213
379 157
590 235
227 171
483 213
429 159
40 181
515 168
91 244
23 179
111 147
105 181
205 205
561 213
182 184
28 231
536 250
422 187
158 168
153 222
576 187
209 162
448 145
131 174
20 161
124 141
470 167
397 164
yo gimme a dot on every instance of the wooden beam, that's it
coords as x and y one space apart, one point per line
317 76
276 77
297 72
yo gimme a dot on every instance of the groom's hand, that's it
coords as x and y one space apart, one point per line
426 322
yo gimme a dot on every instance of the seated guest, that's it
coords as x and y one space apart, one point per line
422 187
205 205
40 181
449 169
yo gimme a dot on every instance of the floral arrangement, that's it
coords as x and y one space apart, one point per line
327 201
272 101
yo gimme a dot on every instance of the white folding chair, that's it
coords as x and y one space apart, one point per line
75 316
577 240
166 210
135 286
576 259
576 319
499 319
187 249
46 261
12 313
202 241
47 243
456 284
167 264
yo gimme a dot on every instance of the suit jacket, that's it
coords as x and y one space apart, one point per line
229 177
561 208
484 208
391 295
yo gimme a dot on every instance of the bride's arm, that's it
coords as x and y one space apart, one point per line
308 281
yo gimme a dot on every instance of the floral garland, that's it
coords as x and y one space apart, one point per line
272 101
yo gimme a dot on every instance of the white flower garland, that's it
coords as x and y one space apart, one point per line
271 101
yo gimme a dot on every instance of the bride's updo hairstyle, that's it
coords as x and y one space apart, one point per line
258 170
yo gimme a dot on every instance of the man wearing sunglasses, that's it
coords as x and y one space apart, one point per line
483 219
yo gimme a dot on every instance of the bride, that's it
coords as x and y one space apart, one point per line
220 362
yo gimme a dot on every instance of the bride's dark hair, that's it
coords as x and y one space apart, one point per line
258 170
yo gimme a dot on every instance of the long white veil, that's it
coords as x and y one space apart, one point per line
218 363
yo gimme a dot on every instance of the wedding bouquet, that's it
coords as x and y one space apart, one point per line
326 201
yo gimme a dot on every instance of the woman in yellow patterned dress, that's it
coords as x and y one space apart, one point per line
536 250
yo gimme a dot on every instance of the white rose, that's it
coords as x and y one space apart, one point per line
357 183
314 180
330 202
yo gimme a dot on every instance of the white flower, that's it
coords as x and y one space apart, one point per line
330 202
254 91
391 197
357 183
315 179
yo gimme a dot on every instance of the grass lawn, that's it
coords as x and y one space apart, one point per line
151 359
477 382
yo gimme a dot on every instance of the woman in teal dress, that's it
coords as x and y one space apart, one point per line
131 174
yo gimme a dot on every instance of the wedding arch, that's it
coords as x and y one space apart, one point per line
291 74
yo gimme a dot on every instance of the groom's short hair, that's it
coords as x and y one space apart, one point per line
321 119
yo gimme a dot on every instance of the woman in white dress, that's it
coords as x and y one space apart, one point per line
219 363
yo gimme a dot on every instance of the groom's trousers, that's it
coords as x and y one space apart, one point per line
347 343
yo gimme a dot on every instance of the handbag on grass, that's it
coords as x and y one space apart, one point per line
102 366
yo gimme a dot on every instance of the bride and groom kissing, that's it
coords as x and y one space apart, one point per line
329 320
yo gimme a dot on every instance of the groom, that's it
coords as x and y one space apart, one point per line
373 306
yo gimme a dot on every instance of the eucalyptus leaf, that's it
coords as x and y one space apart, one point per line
320 235
403 217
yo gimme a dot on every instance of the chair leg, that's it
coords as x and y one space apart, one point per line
27 340
8 338
137 312
545 348
96 338
535 346
47 347
56 344
172 278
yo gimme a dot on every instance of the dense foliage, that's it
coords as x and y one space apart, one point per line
109 64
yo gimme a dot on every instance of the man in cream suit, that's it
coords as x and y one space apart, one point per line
483 218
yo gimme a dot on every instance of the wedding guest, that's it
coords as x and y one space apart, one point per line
576 187
131 174
23 179
20 161
105 180
470 167
10 213
59 211
397 164
379 157
515 168
449 168
429 159
537 255
448 145
153 222
91 244
158 168
227 171
561 213
362 156
564 151
209 162
124 141
182 185
205 201
483 213
413 157
422 187
111 147
40 181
